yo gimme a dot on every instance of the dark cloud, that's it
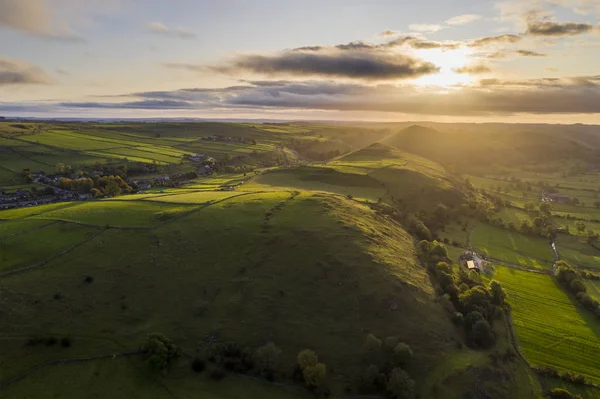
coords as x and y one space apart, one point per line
145 104
548 28
488 97
501 39
350 64
528 53
21 72
473 69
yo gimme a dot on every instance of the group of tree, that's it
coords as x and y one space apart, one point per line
571 280
99 187
312 372
387 372
159 351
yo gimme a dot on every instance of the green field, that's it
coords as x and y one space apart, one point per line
37 245
552 329
508 246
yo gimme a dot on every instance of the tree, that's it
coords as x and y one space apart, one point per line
307 358
498 294
475 299
525 227
482 334
422 232
546 208
402 354
372 379
267 359
441 213
577 286
580 225
112 189
314 376
160 351
372 343
400 385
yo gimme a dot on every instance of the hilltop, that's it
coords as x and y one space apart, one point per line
299 269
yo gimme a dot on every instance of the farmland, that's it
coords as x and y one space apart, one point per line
552 329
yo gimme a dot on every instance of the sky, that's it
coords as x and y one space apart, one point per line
375 60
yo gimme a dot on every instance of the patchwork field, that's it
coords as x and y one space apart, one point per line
513 247
552 329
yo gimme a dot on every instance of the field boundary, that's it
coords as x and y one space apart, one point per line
51 258
29 230
33 369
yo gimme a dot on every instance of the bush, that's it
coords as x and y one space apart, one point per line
160 351
402 354
216 373
314 376
231 356
50 341
390 343
577 286
267 359
372 379
372 343
587 301
198 365
482 334
400 385
559 393
307 358
65 342
88 279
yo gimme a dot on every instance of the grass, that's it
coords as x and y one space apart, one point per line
305 271
116 213
319 179
11 227
37 245
508 246
552 329
593 288
199 197
577 252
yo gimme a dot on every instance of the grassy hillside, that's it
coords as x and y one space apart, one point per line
302 270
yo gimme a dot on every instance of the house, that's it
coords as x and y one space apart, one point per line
556 198
143 184
471 265
197 158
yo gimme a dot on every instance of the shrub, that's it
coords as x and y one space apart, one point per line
314 376
402 354
88 279
482 334
372 379
577 286
587 301
559 393
50 341
390 343
65 342
372 343
198 365
216 373
400 385
307 358
231 356
160 351
458 319
267 359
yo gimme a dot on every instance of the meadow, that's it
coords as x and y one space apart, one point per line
513 247
552 329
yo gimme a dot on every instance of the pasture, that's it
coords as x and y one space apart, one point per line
513 247
552 329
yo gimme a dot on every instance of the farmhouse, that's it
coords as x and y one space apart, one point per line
555 197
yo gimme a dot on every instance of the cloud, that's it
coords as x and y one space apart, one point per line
389 32
488 97
463 19
473 69
549 28
161 29
35 18
426 28
20 72
491 40
354 60
528 53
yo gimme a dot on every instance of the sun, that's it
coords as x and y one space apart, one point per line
447 61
